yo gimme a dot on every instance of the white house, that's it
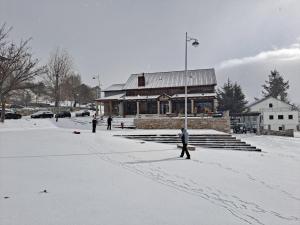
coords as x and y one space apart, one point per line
275 114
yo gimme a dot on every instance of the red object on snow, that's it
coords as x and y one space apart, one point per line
76 132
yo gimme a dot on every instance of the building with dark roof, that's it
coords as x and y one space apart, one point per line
162 93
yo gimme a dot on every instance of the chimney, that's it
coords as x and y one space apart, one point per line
141 80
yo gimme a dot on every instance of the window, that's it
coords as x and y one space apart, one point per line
280 117
280 128
270 105
290 117
271 117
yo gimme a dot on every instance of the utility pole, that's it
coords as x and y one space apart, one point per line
98 96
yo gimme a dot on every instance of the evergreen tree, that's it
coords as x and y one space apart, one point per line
231 98
276 86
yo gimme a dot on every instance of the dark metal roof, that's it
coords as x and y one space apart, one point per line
198 77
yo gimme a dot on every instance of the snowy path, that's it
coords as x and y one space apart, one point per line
100 179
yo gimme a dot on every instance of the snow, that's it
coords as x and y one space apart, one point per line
102 179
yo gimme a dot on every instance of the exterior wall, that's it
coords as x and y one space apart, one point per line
110 93
220 124
264 105
175 106
276 123
288 133
111 108
170 91
203 104
278 108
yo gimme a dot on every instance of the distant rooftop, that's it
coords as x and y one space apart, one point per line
265 98
115 87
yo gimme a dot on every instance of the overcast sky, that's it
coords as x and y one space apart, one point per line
241 39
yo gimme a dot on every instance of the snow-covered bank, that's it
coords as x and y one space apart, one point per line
102 179
26 124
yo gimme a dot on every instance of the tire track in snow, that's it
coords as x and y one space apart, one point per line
251 178
239 208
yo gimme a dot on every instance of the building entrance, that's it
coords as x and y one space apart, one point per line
164 107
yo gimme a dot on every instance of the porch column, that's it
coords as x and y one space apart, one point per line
121 109
137 108
97 108
215 105
110 107
158 108
192 106
170 106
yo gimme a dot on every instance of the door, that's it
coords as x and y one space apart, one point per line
164 107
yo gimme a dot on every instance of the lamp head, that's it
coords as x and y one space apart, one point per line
195 43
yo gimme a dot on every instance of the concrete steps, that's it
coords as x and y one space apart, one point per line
213 141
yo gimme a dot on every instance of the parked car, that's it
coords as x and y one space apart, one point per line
12 115
82 113
42 114
63 114
239 128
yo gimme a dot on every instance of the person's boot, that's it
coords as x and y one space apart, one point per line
188 157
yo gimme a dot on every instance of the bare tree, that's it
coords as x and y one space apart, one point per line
86 94
3 36
39 89
17 69
70 88
58 69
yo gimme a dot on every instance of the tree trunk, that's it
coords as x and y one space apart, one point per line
2 109
56 91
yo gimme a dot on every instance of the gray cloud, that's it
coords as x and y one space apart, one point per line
291 53
118 38
252 72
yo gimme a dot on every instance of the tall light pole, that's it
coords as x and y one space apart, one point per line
98 95
195 44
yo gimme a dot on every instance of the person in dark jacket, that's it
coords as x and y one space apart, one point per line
184 139
109 119
94 122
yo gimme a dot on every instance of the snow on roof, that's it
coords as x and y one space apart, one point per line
173 79
114 87
140 97
112 97
265 98
194 95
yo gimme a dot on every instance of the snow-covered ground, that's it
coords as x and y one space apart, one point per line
101 179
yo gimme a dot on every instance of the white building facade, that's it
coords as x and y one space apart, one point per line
275 114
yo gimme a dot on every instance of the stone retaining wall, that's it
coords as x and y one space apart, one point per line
220 124
287 133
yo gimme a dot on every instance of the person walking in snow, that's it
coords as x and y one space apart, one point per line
109 119
94 123
184 139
